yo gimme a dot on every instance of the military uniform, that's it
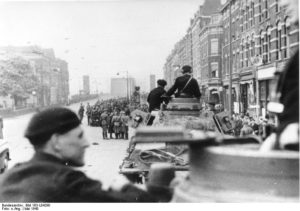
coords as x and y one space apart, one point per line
48 179
116 121
124 126
154 98
88 113
191 90
104 124
81 112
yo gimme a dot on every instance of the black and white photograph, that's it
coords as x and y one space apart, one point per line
148 101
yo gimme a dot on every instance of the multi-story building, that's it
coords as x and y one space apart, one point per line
239 37
189 50
256 41
262 39
86 84
210 36
195 31
277 40
122 87
51 72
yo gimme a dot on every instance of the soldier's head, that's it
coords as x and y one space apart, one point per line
161 82
57 131
186 69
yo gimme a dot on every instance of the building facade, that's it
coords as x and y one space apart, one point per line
122 87
51 73
242 41
211 38
196 52
262 40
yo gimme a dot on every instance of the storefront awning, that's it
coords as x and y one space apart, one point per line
266 73
212 88
246 82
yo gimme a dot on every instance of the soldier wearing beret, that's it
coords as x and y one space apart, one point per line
185 86
60 144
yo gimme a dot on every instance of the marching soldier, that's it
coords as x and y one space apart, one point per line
104 124
81 112
116 121
110 125
88 113
124 125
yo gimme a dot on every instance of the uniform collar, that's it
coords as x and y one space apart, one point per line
42 156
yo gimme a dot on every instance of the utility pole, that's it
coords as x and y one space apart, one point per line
230 62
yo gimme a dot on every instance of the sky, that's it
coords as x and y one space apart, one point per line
100 38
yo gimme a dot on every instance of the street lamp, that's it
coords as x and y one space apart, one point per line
33 96
126 83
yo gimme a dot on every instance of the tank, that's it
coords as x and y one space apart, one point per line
140 156
179 112
228 169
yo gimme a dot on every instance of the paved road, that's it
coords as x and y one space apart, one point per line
103 157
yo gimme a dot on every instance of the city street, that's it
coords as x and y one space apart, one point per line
103 157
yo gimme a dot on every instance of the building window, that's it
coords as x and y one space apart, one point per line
242 54
252 14
214 46
259 12
278 41
247 18
261 44
247 56
269 44
252 46
233 62
266 9
285 38
214 69
225 65
266 47
237 59
276 6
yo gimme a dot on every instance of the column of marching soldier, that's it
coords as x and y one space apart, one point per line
111 115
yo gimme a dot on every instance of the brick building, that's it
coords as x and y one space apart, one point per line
260 31
211 37
187 50
255 39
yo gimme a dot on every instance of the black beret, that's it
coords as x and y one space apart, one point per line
48 122
161 82
186 69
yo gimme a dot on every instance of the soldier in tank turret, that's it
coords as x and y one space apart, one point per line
185 86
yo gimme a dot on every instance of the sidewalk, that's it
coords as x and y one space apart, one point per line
13 113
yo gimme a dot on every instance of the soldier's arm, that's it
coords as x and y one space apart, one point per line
197 89
172 90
